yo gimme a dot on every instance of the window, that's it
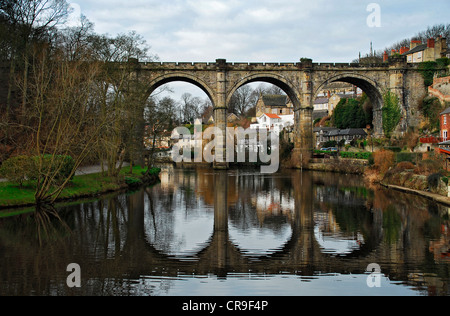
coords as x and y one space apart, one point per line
445 119
445 135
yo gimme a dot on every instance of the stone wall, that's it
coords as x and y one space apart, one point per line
413 181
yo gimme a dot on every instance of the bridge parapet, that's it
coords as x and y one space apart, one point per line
266 66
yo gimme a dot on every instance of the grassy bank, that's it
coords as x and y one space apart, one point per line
12 195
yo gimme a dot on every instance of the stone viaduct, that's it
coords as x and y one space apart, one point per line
301 81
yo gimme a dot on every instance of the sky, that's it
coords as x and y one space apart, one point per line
263 30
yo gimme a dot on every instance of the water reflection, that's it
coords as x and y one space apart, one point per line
203 223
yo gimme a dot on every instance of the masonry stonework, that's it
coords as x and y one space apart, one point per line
302 82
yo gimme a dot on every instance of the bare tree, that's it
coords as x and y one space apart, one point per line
159 119
242 100
31 20
61 117
190 107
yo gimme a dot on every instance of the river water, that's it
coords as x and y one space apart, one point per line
232 233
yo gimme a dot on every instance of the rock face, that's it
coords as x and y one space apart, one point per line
419 182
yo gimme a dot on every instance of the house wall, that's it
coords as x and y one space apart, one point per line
445 126
333 102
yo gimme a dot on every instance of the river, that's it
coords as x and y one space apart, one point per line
232 233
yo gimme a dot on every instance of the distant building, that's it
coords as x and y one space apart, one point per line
325 106
274 104
325 134
232 118
321 104
420 52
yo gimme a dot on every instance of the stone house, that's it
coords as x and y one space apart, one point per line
274 104
325 134
420 52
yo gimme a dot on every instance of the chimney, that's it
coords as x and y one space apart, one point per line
329 94
385 56
404 50
430 43
414 44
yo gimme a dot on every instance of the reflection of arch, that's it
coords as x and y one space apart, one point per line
274 79
184 77
221 251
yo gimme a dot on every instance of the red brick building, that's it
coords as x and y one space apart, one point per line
445 125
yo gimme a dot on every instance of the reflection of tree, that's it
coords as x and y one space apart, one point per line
392 225
49 224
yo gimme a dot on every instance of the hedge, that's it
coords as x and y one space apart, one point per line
356 155
411 157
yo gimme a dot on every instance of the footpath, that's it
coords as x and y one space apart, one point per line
431 196
86 170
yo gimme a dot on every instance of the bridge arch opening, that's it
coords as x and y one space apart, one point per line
181 81
366 85
192 98
277 81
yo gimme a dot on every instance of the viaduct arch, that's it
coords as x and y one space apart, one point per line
301 82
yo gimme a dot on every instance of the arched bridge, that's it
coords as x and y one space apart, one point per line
301 81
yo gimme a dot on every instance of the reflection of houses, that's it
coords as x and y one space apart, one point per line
325 134
274 104
273 203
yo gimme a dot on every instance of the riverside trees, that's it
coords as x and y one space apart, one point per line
63 96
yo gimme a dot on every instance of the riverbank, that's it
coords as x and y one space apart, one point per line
405 181
430 196
82 186
338 165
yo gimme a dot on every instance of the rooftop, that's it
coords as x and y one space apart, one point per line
447 111
273 116
275 100
416 49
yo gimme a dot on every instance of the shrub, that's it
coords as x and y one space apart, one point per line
23 168
405 165
428 166
61 166
433 180
391 113
383 160
17 169
133 182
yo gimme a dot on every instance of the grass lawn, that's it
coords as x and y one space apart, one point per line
12 195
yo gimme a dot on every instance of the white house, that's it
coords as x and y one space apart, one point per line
273 122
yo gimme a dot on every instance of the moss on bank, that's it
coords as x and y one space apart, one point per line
12 195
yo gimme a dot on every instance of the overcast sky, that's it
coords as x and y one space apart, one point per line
263 30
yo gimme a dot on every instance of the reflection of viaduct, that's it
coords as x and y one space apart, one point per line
300 81
301 254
